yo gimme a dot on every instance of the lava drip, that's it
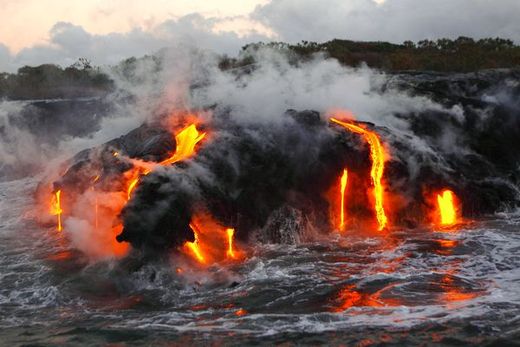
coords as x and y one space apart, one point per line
56 208
213 242
343 187
230 252
131 187
446 208
194 246
377 155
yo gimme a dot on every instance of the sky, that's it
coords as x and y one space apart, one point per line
107 31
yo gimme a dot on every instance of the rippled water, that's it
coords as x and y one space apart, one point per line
414 287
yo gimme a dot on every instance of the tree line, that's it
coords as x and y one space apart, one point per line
49 81
463 54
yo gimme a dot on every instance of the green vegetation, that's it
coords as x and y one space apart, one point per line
445 55
50 81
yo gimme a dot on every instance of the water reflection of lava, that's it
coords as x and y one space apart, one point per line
444 286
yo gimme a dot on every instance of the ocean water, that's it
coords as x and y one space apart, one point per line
424 287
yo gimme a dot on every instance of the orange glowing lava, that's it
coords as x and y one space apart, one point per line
194 246
103 216
446 208
230 252
240 312
343 187
56 208
214 243
187 139
131 187
377 155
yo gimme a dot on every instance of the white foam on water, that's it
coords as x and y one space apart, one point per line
282 288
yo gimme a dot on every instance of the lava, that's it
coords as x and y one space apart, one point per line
56 208
194 246
213 242
240 312
230 252
343 187
187 139
377 155
101 210
446 208
131 187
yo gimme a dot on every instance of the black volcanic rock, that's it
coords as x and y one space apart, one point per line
242 175
269 180
148 142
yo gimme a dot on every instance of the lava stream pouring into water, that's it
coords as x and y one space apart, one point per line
230 252
446 208
56 208
343 187
194 246
214 242
378 165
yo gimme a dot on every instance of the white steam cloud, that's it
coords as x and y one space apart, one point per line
190 79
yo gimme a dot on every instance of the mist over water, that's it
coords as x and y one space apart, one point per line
417 285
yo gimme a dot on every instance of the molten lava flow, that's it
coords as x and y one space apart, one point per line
230 252
131 187
377 155
214 242
105 206
194 246
56 207
343 187
187 139
446 208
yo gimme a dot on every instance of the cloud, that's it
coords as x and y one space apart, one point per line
5 59
68 42
391 20
286 20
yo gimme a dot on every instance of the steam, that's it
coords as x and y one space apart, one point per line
254 99
186 78
320 84
15 143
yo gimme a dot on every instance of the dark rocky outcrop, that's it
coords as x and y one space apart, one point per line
254 175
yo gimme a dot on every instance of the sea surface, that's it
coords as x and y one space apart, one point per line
419 287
